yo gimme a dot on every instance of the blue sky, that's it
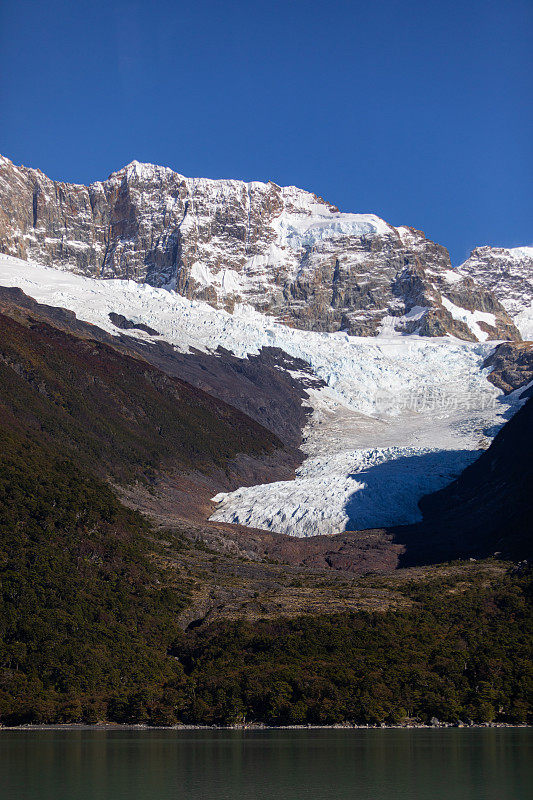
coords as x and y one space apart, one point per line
420 112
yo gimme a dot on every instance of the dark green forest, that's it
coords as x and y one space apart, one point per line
84 613
89 630
90 625
463 656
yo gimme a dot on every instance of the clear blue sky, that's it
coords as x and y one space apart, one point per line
420 112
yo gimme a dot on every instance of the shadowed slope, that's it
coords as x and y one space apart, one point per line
487 510
118 415
254 385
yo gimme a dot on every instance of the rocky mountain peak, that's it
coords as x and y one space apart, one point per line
283 250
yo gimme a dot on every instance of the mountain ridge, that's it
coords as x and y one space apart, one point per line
283 250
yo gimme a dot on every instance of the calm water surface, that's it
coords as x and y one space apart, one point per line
472 764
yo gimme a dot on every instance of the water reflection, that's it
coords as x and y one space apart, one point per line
474 764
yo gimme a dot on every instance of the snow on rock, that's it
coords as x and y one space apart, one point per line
305 231
227 281
471 318
524 323
508 274
283 250
399 416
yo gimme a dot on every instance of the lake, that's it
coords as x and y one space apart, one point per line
417 764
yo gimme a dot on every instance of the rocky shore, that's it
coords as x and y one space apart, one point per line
257 726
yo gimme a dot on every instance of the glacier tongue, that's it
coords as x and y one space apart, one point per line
399 417
370 470
350 490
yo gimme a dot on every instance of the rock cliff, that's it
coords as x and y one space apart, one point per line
283 250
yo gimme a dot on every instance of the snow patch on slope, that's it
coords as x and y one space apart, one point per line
524 323
226 281
471 318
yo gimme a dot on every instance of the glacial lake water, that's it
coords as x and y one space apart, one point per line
463 764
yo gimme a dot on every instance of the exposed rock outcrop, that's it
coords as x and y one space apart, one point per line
512 365
508 274
283 250
125 324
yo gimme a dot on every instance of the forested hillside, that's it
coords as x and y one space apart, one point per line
105 617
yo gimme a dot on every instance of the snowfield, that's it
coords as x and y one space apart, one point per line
400 416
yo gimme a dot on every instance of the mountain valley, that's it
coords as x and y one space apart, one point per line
234 418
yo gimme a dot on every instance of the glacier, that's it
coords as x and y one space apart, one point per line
399 415
304 230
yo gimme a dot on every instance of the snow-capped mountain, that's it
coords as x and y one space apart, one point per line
387 345
508 274
282 250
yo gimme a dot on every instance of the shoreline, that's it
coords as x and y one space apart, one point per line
255 727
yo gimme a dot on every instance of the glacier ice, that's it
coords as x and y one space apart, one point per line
399 415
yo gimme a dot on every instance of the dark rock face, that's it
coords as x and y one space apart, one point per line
283 250
512 364
488 510
254 384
